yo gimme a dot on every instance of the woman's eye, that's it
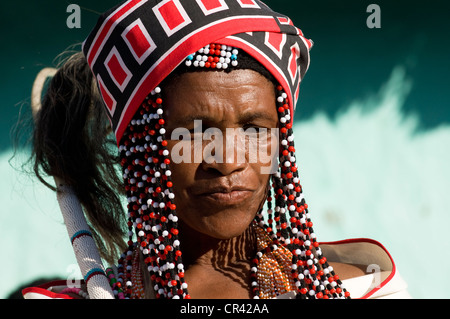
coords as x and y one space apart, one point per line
254 129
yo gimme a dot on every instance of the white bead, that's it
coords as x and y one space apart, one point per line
168 173
157 90
234 63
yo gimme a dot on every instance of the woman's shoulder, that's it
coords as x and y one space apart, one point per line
366 268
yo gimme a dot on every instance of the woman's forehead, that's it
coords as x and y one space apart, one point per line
214 96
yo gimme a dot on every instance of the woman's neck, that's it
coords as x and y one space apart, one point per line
217 266
204 250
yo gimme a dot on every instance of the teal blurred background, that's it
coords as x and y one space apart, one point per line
372 132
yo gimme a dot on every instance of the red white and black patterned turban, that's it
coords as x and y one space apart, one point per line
137 44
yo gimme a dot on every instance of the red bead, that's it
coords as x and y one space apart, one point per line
158 101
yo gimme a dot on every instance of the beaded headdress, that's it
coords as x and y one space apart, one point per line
132 49
137 44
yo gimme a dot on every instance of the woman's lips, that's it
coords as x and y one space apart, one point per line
223 195
228 198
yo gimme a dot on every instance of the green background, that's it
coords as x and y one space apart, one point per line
372 129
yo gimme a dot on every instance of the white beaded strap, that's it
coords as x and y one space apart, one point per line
85 249
83 244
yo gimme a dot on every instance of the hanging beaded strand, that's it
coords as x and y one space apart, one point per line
152 213
312 274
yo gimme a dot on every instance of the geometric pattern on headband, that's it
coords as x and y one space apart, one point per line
138 43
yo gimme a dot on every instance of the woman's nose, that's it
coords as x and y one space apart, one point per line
224 153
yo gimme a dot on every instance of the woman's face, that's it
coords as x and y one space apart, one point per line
218 127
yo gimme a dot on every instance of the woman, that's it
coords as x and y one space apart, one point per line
196 93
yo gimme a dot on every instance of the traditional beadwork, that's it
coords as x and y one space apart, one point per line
214 56
289 257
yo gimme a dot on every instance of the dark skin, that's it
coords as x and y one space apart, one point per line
217 201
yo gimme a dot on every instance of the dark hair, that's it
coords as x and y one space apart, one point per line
72 140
